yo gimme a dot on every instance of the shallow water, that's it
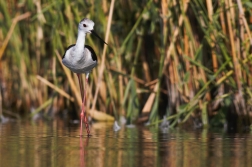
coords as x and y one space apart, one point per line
58 144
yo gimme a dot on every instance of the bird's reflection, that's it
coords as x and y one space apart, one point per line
82 150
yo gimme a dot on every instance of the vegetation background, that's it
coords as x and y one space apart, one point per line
187 61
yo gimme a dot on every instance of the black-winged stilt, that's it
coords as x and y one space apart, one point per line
81 58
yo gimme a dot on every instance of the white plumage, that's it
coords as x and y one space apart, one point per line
82 64
81 58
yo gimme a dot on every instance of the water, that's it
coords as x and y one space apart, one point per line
58 144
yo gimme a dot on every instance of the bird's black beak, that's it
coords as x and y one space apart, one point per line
93 32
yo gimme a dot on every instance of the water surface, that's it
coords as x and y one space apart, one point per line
56 143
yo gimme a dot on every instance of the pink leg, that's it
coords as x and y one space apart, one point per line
81 90
81 85
83 113
85 117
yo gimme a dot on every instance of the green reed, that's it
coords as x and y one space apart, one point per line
187 60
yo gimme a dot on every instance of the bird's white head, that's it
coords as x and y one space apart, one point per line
86 25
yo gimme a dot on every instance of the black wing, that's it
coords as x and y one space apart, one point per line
94 57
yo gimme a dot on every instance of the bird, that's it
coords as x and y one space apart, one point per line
81 58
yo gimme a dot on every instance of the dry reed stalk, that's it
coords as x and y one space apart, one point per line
173 91
22 74
42 106
37 92
151 83
60 91
187 86
214 58
199 73
101 70
146 69
190 68
232 12
245 23
174 37
239 101
90 95
182 89
166 60
240 47
25 85
1 102
120 79
229 73
10 113
148 105
104 6
202 75
222 19
194 71
165 14
39 33
94 74
124 75
103 92
54 70
101 116
176 65
14 22
212 42
112 89
6 41
233 51
112 93
70 80
249 81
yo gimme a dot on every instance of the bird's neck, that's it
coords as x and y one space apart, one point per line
80 40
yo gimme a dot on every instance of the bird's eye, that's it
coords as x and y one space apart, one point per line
84 25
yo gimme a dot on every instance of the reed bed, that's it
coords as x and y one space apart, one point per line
188 61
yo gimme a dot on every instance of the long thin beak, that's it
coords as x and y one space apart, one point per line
93 32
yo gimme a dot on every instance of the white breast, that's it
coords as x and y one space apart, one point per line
79 61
